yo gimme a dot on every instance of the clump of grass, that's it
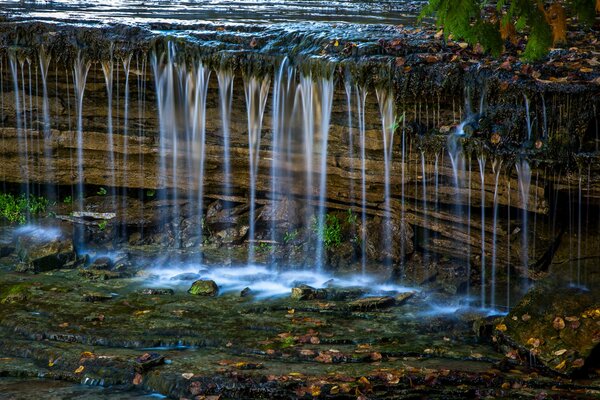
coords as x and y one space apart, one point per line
15 209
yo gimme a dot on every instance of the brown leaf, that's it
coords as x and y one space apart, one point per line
400 61
558 323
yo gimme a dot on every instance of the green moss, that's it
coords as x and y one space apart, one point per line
16 208
14 293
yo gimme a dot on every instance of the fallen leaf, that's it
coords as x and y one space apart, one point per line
561 365
137 379
501 327
578 363
187 375
79 369
560 352
558 323
525 317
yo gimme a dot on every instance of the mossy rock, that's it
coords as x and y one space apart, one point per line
557 324
204 288
15 293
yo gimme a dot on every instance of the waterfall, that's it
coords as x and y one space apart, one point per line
256 91
21 127
361 98
524 178
125 179
44 59
225 80
108 70
496 166
325 86
388 121
80 72
199 136
481 161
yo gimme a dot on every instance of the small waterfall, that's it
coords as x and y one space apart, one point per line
80 72
125 179
481 161
524 178
44 59
325 86
21 125
348 90
225 80
108 70
283 92
388 121
202 78
528 117
306 90
256 91
361 99
496 166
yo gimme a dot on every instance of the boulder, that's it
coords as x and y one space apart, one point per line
285 213
558 324
43 249
305 292
372 303
204 288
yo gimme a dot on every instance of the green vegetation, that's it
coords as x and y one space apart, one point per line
290 236
150 192
68 200
543 23
351 218
264 247
102 192
16 209
331 231
102 225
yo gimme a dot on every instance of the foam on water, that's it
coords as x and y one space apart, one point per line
264 282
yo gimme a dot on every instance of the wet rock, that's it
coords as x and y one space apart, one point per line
372 303
204 288
93 297
148 361
15 293
379 248
305 292
99 274
94 318
104 263
43 249
157 292
559 325
246 292
403 297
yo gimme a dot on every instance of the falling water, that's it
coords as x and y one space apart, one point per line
361 98
524 177
44 65
22 136
256 91
386 110
125 181
80 72
496 166
306 89
325 86
528 117
225 80
108 70
481 161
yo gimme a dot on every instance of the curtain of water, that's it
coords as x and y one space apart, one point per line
81 68
44 59
256 91
325 86
524 178
108 71
225 80
388 121
361 99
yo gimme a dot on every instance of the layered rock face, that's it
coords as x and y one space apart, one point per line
415 157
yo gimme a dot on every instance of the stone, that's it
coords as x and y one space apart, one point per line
285 213
204 288
99 274
42 249
559 325
305 292
372 303
402 298
157 292
93 297
104 263
246 292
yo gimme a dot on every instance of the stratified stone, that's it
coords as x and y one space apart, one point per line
96 297
204 288
157 292
372 303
